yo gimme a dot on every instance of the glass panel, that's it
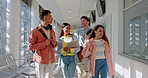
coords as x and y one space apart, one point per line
136 31
145 51
0 29
24 25
134 36
24 11
24 28
24 37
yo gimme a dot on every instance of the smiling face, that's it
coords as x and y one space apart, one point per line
66 29
99 33
84 22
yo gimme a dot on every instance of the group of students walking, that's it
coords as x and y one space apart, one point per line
92 44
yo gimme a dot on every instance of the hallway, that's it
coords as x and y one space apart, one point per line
125 23
57 73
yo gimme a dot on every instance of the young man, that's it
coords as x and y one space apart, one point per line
44 56
80 34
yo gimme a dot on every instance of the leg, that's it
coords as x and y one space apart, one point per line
72 68
104 69
65 73
79 71
86 75
64 66
96 69
49 70
39 68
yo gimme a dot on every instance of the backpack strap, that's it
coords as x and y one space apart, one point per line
42 33
72 37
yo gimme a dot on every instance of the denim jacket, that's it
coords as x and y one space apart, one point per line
59 48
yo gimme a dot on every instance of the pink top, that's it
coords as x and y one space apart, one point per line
90 50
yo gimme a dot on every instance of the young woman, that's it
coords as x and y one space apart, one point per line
97 48
68 55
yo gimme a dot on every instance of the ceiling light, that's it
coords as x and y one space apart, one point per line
69 11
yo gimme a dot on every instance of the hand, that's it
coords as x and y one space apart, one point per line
47 42
66 49
53 41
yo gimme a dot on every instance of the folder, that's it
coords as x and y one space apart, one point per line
72 44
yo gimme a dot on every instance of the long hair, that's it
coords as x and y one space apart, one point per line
61 31
93 35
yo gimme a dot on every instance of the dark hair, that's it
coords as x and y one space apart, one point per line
92 35
61 31
65 24
44 13
85 17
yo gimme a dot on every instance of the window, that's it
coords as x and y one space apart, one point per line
2 26
101 7
136 31
128 2
24 26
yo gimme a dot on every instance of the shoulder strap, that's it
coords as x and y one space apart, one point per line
42 33
72 37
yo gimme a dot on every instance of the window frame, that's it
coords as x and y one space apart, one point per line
22 32
124 50
3 27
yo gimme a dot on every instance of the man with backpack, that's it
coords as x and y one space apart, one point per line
80 34
42 39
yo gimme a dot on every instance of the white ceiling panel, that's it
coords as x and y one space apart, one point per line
60 10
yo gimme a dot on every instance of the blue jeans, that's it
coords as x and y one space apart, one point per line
101 67
69 66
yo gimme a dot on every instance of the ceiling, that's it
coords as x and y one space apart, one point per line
69 10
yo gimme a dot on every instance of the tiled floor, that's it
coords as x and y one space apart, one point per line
31 72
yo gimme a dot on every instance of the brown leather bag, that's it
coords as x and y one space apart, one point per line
80 56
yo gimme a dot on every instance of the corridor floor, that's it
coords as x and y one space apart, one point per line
31 73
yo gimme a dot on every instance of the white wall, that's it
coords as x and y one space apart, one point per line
12 33
125 67
57 30
34 14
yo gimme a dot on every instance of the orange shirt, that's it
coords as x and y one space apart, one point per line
42 51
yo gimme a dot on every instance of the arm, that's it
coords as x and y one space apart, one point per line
59 46
109 59
76 34
33 44
53 38
86 50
